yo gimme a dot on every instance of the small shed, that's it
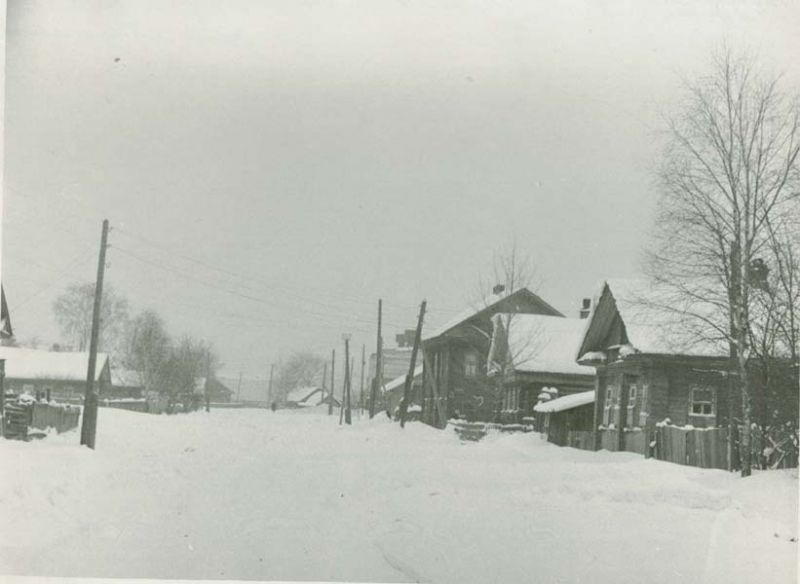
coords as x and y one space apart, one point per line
567 421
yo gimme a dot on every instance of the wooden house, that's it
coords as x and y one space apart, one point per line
652 367
304 397
455 379
531 352
395 389
126 383
59 375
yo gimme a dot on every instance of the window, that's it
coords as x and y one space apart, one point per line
632 396
702 402
471 364
610 397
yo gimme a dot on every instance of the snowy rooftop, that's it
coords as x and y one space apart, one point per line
540 343
400 380
565 403
121 377
485 304
658 322
299 394
35 364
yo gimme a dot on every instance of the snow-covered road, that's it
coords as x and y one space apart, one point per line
250 494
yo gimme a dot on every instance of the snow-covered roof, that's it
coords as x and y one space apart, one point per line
300 394
565 403
487 303
121 377
24 363
400 380
658 321
541 343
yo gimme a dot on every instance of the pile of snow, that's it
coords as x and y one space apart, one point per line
292 495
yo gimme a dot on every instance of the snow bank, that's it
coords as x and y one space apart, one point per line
291 495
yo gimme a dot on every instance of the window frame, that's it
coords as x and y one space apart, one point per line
711 402
471 364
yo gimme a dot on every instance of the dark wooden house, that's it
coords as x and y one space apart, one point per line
653 370
531 352
455 379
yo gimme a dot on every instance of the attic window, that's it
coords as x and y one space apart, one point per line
702 402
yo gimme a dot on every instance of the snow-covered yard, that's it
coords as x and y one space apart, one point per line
250 494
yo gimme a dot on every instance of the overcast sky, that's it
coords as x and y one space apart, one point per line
273 168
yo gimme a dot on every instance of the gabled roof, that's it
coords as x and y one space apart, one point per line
654 321
24 363
567 402
539 343
121 377
301 394
487 305
400 380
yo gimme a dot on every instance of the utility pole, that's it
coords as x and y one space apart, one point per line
239 388
333 382
347 371
373 394
269 387
89 425
208 379
361 390
2 398
412 366
324 380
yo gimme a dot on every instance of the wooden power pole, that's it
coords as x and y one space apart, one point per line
348 419
412 366
373 392
89 424
208 379
333 371
269 387
361 389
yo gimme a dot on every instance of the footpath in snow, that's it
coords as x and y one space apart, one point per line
255 495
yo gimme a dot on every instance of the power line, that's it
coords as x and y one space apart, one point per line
353 299
259 300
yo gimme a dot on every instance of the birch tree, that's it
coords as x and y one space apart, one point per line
729 183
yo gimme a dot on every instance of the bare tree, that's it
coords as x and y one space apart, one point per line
300 369
148 349
73 311
190 360
511 270
729 180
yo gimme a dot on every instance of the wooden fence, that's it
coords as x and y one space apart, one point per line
474 431
582 439
59 416
692 447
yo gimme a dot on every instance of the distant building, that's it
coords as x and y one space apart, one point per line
62 375
126 383
395 389
303 397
